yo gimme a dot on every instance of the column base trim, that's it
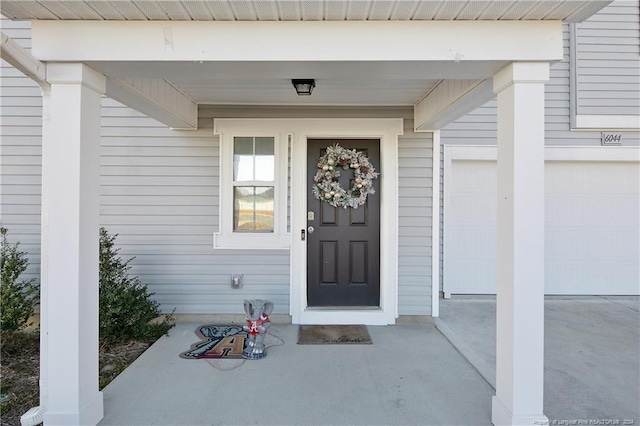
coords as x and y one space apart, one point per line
90 414
502 416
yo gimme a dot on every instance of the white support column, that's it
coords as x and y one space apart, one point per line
520 273
435 226
70 222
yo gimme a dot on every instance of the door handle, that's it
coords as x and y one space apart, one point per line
310 229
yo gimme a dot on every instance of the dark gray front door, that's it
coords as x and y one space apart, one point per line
343 251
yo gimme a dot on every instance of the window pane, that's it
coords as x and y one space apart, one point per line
242 159
265 168
264 160
264 146
253 208
264 208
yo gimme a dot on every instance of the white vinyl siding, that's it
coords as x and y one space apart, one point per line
415 208
20 152
159 191
608 61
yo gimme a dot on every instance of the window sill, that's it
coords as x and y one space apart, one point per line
607 122
252 241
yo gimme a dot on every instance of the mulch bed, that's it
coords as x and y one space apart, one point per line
20 370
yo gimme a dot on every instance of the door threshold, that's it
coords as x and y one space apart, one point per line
343 308
345 315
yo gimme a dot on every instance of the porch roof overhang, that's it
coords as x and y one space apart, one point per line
307 10
437 61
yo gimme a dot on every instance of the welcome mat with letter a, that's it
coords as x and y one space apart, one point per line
333 335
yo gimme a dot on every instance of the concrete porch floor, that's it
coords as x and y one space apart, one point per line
411 375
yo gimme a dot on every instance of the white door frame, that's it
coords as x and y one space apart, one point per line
387 130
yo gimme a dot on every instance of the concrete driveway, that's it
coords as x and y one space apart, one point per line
592 353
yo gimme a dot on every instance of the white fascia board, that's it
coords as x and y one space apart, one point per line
156 98
297 41
22 60
450 100
551 153
607 122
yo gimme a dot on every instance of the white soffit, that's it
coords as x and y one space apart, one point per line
269 83
302 10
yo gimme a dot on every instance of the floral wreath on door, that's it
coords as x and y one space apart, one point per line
328 189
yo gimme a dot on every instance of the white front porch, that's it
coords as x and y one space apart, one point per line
171 69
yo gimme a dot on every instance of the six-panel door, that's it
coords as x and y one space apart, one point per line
343 249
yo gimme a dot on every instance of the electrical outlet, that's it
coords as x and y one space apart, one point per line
236 280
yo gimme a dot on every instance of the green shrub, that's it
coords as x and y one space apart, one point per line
17 298
126 308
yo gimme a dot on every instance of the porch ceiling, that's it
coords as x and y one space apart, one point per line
303 10
269 83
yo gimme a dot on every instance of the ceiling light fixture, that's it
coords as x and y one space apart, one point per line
304 87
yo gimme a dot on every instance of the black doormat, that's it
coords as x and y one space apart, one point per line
218 342
333 335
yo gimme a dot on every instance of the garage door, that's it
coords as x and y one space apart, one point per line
592 217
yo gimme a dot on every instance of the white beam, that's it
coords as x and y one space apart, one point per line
450 100
297 41
520 263
156 98
22 60
70 222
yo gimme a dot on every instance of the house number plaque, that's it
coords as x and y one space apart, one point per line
611 139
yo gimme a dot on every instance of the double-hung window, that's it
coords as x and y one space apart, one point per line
253 185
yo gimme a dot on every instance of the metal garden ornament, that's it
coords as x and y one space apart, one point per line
329 190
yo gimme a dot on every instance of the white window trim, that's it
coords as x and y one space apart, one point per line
226 238
607 122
